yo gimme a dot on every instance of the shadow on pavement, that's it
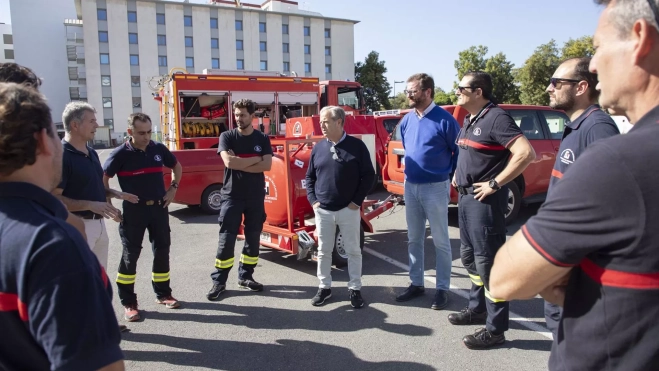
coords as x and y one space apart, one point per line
231 355
541 345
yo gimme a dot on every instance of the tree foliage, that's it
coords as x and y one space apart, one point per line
370 74
443 98
577 48
473 59
535 74
399 101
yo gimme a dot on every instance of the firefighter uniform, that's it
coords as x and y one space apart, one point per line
140 173
483 142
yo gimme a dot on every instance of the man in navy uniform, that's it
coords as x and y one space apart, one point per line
48 274
246 154
592 247
138 164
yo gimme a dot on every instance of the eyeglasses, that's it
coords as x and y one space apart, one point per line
410 92
462 88
655 11
335 156
558 82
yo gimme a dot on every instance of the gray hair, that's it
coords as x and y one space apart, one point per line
626 12
74 112
335 112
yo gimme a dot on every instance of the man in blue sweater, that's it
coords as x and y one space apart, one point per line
429 136
340 175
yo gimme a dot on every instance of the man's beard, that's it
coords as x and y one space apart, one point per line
565 105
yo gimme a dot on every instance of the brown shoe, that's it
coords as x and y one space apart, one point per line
131 313
169 301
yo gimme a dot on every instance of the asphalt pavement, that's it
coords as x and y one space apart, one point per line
279 329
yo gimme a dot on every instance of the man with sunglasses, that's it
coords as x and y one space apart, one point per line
592 247
493 152
572 89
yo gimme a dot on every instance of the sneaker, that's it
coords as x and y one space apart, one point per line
321 296
467 317
411 293
131 313
215 292
356 300
169 302
250 285
483 339
441 300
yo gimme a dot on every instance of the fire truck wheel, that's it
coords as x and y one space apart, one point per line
210 199
339 256
514 202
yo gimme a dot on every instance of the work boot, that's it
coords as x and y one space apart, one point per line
215 292
441 300
131 312
467 317
250 285
123 328
356 300
321 296
483 339
169 302
411 292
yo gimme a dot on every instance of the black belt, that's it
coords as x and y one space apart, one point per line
465 190
150 202
90 216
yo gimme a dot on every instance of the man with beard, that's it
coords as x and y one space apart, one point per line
246 154
592 247
55 299
429 137
572 89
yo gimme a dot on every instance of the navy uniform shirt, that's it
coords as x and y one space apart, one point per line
55 298
82 176
241 184
601 220
483 144
592 125
140 172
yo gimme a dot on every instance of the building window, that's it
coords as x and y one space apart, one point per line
307 49
307 31
240 64
105 58
213 22
160 18
137 102
284 29
102 14
239 25
285 47
105 80
162 40
188 41
135 81
8 39
162 61
327 33
132 38
328 50
215 43
102 36
263 46
215 63
239 45
264 65
109 123
189 62
328 68
132 17
134 60
307 67
187 20
107 102
261 26
287 66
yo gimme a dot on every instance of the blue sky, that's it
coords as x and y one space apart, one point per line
426 36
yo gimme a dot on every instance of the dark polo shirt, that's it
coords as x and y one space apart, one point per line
82 176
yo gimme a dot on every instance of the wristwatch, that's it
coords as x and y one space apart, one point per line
175 185
494 185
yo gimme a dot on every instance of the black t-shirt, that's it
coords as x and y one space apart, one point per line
601 219
55 297
82 176
241 184
484 145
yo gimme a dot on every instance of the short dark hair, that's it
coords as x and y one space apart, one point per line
139 116
482 80
426 82
13 72
245 103
23 113
581 72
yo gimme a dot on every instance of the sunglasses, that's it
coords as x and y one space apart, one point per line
462 88
335 156
558 82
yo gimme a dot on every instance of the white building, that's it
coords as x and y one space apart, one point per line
6 43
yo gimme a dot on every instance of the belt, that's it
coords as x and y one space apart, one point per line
150 202
465 190
90 216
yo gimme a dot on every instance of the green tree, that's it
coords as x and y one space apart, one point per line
581 47
399 101
443 98
473 59
370 75
534 75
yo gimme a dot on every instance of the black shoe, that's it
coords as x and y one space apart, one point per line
467 317
250 285
411 292
441 300
356 298
483 339
215 292
321 296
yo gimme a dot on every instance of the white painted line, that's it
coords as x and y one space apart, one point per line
528 323
100 153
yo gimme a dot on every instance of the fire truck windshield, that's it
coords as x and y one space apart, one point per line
351 97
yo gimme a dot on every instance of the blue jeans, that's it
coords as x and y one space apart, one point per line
428 201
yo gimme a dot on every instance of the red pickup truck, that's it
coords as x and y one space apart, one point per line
543 127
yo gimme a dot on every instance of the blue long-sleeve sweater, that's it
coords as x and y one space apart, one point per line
431 152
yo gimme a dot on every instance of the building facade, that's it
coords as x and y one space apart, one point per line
6 43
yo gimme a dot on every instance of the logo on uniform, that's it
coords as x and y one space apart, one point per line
477 131
257 148
297 129
567 156
157 158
